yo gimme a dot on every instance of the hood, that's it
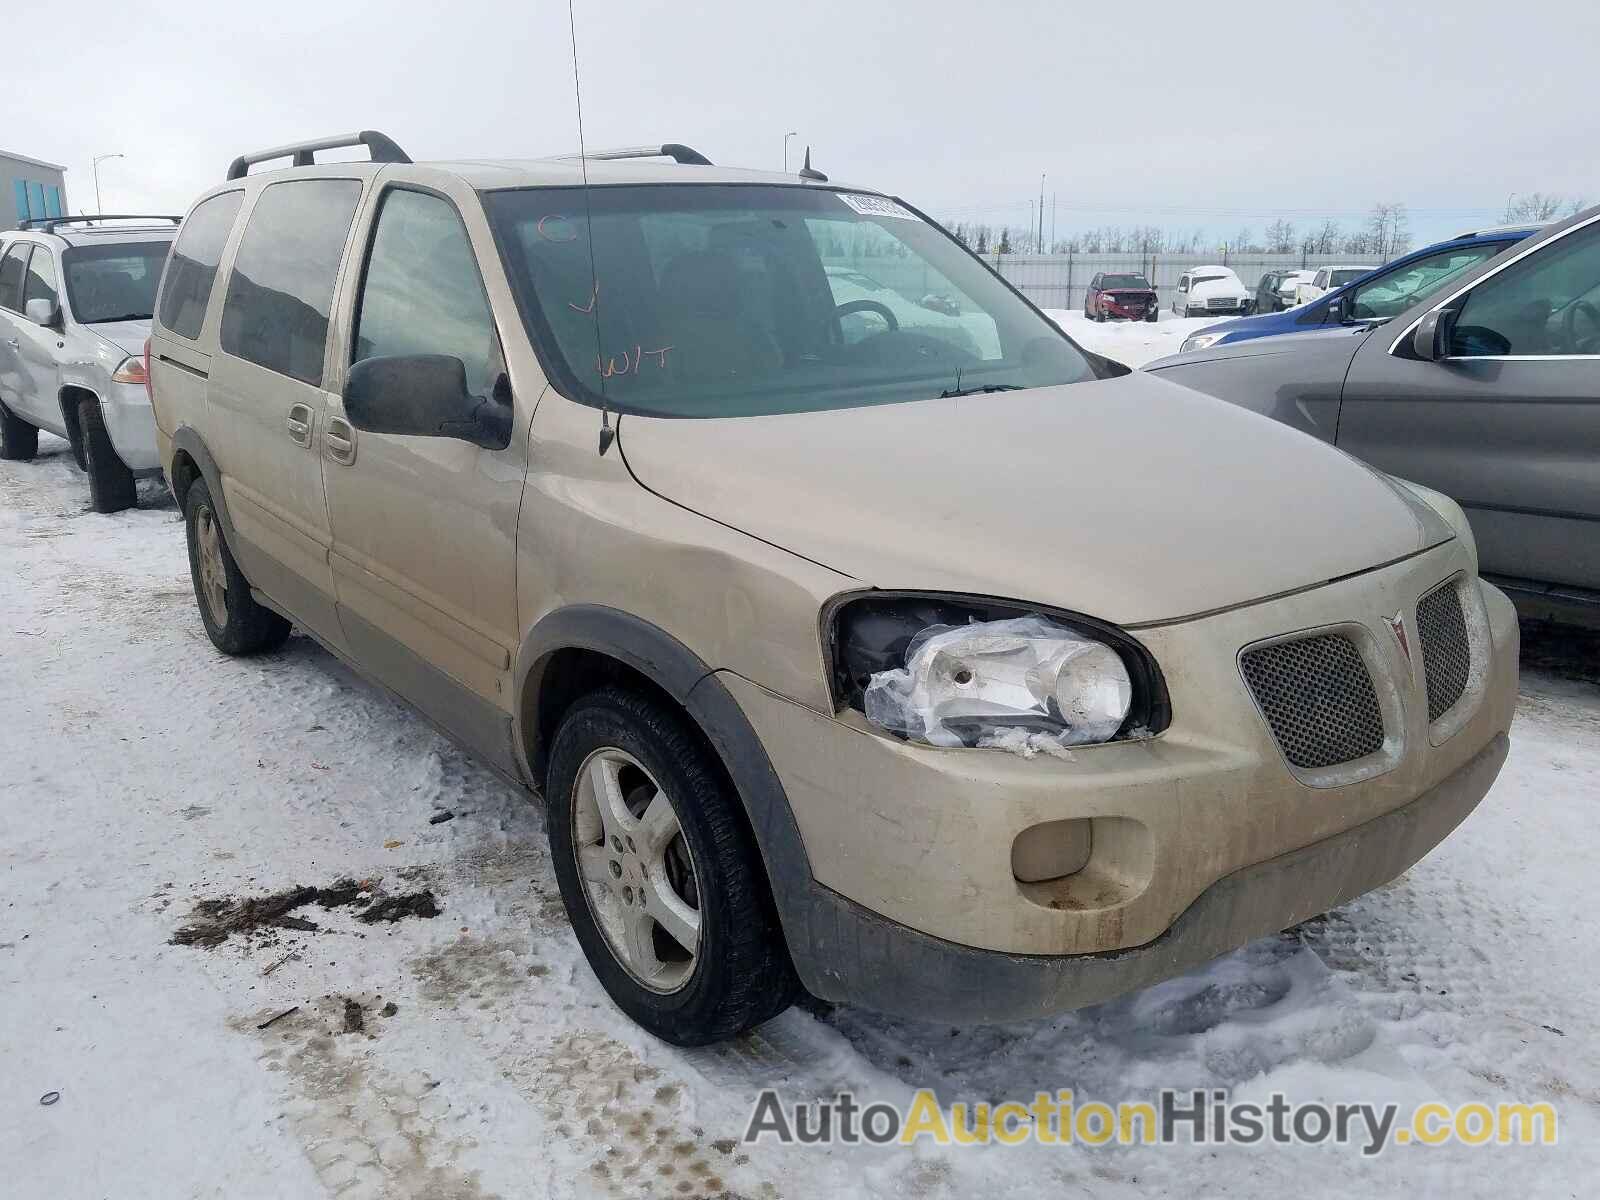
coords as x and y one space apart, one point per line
1128 291
127 336
1218 287
1337 340
1129 499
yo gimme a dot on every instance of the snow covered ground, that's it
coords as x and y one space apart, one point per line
1132 342
141 773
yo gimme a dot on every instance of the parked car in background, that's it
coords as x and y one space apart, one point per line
1289 288
75 305
1267 298
1488 390
1325 280
1210 290
703 572
1129 297
1382 293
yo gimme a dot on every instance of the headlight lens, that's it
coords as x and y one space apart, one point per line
952 672
130 370
1200 341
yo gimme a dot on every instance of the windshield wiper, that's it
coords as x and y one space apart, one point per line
973 391
123 317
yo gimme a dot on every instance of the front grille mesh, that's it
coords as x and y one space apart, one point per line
1318 699
1446 652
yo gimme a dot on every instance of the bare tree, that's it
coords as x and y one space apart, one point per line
1388 230
1541 207
1280 237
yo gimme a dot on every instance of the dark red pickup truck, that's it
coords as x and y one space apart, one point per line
1127 296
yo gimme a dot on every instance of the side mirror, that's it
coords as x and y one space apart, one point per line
1431 342
424 395
42 312
1336 311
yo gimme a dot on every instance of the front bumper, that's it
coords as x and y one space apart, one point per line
131 424
914 850
885 966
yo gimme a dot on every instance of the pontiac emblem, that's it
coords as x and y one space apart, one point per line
1398 624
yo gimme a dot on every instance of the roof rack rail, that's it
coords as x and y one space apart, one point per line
382 147
676 151
48 224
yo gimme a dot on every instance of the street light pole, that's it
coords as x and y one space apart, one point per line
786 137
94 168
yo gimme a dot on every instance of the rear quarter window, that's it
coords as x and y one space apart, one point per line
192 270
280 290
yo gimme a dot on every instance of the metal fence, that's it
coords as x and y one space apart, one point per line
1060 280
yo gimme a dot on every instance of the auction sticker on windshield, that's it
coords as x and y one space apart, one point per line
876 206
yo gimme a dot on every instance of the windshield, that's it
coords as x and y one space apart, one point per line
1199 279
113 283
1339 278
1393 293
1125 281
739 300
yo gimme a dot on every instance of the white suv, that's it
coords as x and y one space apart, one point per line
1207 290
1328 279
75 305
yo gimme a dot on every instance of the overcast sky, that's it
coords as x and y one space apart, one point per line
1214 115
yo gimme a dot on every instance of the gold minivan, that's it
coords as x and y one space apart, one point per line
905 653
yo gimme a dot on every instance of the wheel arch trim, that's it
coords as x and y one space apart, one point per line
688 680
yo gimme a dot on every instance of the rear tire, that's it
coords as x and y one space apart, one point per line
235 623
19 441
697 854
111 486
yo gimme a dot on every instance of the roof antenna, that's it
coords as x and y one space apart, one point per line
607 434
807 173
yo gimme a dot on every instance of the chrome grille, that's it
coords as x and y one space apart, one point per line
1446 651
1221 302
1317 697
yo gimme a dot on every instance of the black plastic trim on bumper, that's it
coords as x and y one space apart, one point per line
852 955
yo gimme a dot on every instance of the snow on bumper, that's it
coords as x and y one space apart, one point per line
955 848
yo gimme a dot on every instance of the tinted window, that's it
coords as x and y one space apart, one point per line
11 276
281 286
193 268
41 281
1549 303
422 293
113 283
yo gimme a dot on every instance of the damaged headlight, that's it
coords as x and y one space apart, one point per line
956 672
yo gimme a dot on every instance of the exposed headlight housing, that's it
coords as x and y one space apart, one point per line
962 671
1200 341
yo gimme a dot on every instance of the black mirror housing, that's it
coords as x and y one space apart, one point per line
423 395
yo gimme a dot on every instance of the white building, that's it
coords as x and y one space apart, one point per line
30 188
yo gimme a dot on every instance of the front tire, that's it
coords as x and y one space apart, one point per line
660 873
111 486
19 441
235 623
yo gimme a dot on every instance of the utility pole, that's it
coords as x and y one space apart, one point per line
1052 222
1041 214
94 169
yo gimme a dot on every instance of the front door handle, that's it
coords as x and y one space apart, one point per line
300 424
339 441
14 344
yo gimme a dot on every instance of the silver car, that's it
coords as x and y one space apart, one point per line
1488 391
75 304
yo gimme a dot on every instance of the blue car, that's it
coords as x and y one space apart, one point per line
1382 293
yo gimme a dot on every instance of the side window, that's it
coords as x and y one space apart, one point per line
40 283
186 284
1183 284
275 312
1320 280
1549 303
1095 283
1389 295
11 269
422 293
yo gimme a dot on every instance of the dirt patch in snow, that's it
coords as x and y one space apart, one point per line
213 921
